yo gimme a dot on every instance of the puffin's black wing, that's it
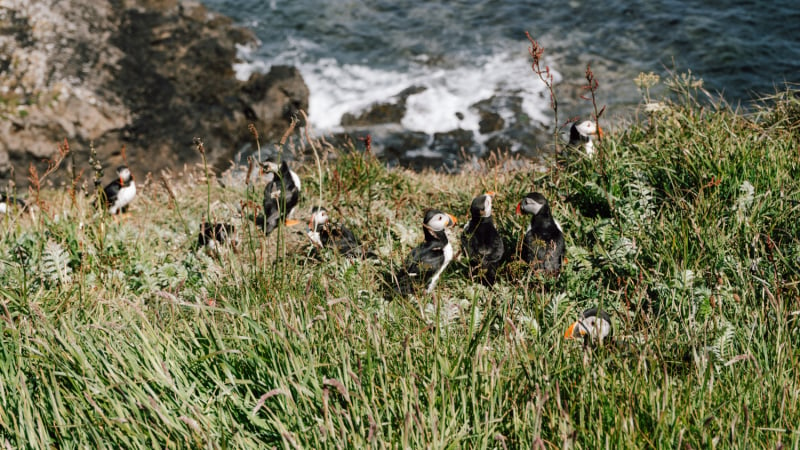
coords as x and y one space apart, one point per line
421 264
272 214
485 249
339 235
291 192
544 248
111 192
214 232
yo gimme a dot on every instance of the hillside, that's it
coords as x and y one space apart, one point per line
685 227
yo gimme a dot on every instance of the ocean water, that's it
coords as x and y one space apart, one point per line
353 53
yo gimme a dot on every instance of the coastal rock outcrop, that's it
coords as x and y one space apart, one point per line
146 75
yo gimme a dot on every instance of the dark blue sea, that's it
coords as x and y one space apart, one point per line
353 53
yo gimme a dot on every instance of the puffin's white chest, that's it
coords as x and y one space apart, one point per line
296 180
315 238
589 147
124 197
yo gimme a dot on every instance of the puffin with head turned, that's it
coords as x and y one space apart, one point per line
594 326
580 134
425 264
480 240
120 192
281 195
543 245
325 234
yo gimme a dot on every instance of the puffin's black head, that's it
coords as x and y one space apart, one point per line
533 203
594 325
482 206
124 174
436 221
583 132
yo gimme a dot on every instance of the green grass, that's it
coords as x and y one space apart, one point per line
116 334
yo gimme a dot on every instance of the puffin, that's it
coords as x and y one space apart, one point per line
543 245
593 326
281 195
480 240
325 234
8 203
425 264
120 192
581 134
214 233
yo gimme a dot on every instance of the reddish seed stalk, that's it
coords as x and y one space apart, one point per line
536 51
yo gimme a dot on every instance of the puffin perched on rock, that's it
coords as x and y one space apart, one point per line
543 245
120 192
425 264
325 234
594 326
480 240
580 134
281 195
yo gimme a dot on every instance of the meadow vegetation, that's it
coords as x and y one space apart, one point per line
685 227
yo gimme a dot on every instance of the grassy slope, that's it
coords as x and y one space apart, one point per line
115 334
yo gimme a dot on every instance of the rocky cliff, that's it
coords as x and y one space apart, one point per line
149 75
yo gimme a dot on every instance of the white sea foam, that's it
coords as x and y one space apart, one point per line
336 88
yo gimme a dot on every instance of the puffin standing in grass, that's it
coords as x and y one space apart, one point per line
594 326
325 234
480 240
120 192
543 245
580 134
425 264
281 195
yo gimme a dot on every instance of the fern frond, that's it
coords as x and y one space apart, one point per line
55 263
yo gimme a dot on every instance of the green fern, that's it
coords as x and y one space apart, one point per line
55 263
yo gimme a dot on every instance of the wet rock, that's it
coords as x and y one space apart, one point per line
396 145
149 75
453 142
490 119
378 114
390 112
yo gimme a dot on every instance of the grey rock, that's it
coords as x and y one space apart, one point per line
149 75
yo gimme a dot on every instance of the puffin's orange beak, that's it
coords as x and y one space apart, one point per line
519 208
490 193
568 333
600 132
121 182
291 222
452 218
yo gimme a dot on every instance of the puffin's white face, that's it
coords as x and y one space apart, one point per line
531 206
587 128
593 326
440 221
320 217
124 174
269 166
487 205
